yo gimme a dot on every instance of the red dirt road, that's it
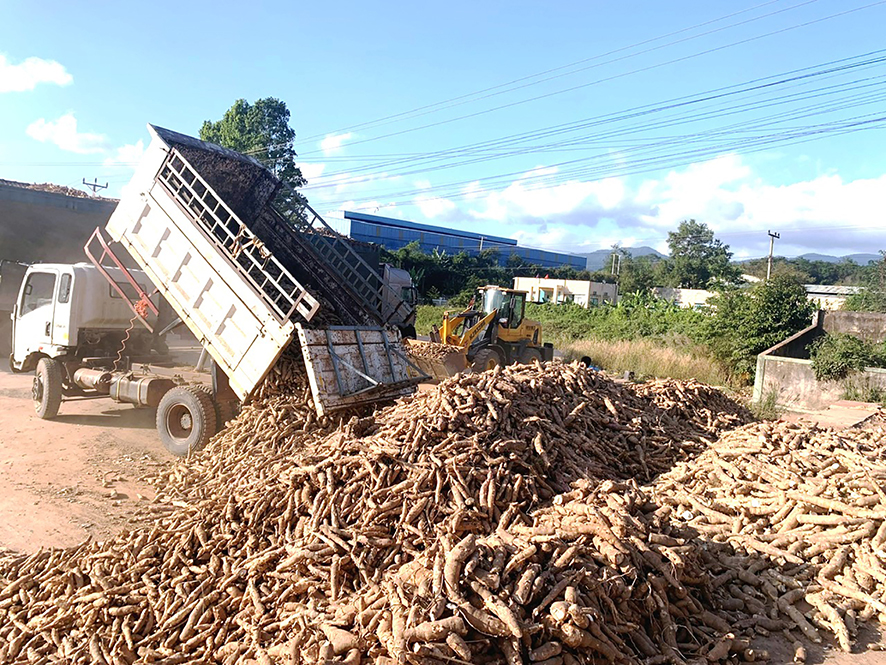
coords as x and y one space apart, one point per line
77 476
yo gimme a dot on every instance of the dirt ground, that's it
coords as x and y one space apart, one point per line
84 475
80 475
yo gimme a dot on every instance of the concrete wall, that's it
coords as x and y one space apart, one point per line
46 227
41 227
795 386
785 370
870 326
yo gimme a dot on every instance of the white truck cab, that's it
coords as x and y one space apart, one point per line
66 311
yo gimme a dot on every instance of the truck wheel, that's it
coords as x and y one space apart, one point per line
47 388
487 358
185 420
530 355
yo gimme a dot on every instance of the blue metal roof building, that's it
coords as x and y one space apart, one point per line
393 234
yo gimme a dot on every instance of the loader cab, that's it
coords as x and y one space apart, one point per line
511 305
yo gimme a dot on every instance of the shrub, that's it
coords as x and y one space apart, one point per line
837 356
747 322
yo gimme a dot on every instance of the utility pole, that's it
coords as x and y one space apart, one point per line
772 239
616 264
95 186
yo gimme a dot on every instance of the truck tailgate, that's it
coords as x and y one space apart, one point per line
352 365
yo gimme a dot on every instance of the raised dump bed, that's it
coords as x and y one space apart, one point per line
198 219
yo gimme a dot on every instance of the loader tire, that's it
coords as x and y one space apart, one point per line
186 420
47 388
487 358
530 355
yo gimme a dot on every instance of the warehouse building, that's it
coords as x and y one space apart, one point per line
392 234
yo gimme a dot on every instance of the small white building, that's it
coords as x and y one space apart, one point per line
687 298
559 291
830 297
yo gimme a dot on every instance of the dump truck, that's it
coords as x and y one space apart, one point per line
492 331
198 223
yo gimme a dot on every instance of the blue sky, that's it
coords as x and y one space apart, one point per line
78 84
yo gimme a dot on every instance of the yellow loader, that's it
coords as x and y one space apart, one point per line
496 333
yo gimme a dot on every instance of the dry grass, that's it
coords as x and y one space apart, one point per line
648 359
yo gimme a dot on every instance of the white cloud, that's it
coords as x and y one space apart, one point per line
433 206
63 133
333 142
311 171
536 194
127 155
31 72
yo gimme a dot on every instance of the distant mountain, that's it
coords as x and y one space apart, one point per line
861 259
602 257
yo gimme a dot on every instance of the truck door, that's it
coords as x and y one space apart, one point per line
34 314
61 316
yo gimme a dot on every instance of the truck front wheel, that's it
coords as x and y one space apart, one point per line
47 388
185 420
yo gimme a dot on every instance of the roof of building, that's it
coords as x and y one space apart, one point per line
830 289
414 226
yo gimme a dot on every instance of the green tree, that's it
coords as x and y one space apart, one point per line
261 130
698 260
872 296
746 322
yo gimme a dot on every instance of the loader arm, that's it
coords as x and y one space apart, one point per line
471 334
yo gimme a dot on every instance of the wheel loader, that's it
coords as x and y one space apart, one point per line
495 333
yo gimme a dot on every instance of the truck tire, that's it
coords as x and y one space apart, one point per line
185 420
487 359
47 388
530 355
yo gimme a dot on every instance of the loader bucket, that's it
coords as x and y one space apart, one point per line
440 361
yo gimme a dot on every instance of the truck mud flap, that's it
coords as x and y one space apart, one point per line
352 365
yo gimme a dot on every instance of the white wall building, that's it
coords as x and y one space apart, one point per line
688 298
829 297
559 291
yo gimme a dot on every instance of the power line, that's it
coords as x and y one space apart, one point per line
668 161
426 108
609 78
613 118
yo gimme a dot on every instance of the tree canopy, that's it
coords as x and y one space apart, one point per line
698 259
261 130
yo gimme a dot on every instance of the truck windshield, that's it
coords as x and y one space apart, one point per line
407 295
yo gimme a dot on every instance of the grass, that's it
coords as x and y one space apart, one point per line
647 358
767 408
428 315
863 391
